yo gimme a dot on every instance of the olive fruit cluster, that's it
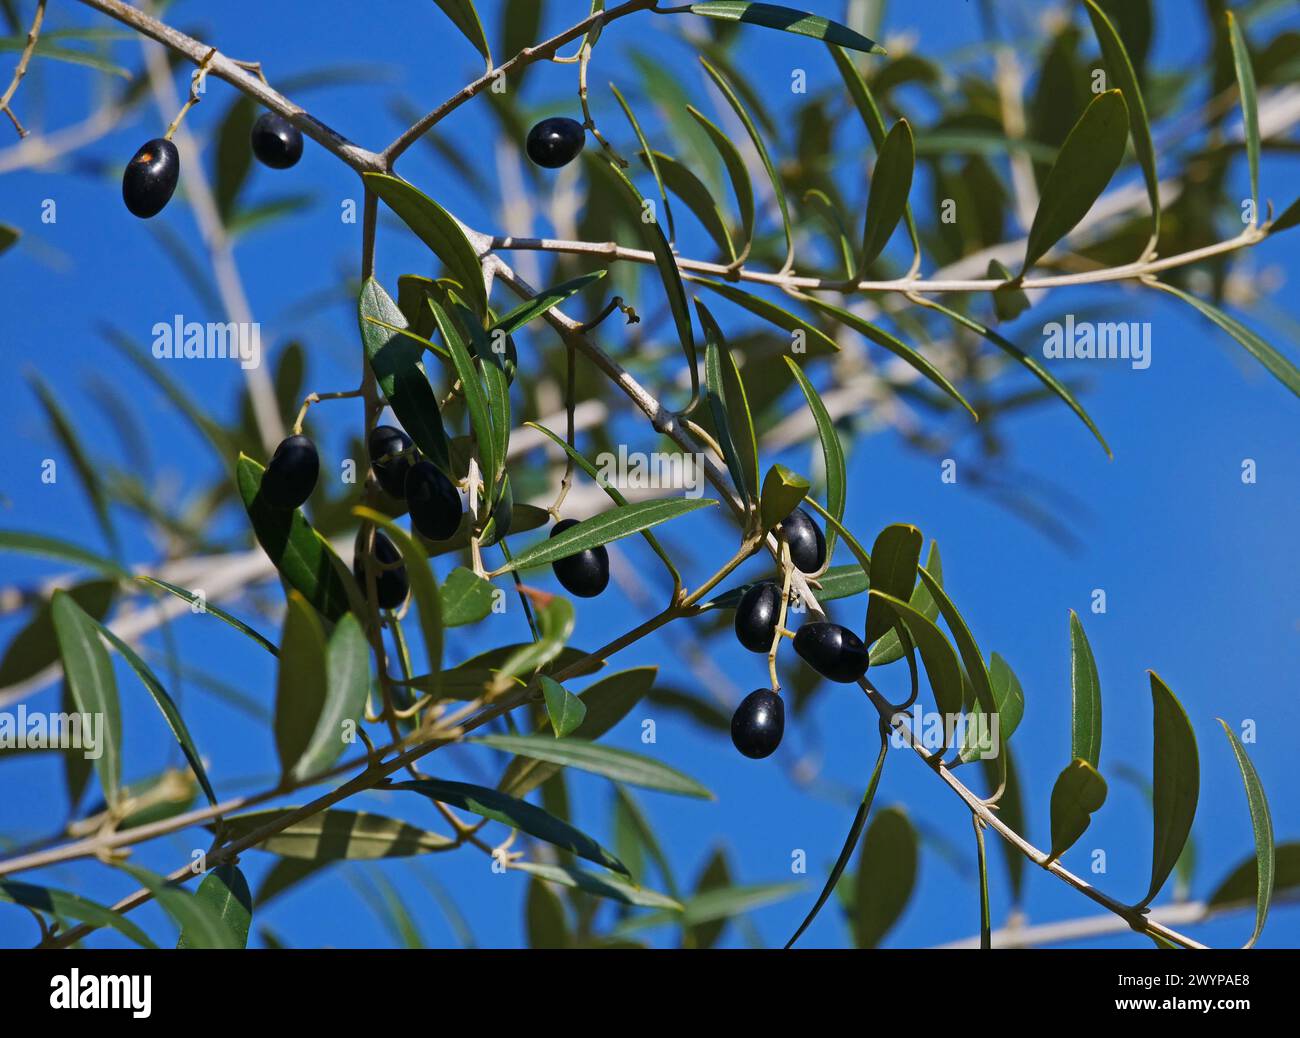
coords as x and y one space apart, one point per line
832 650
152 174
431 497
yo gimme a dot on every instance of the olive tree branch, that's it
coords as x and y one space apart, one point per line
1136 271
33 34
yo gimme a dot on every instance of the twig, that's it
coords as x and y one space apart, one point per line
33 34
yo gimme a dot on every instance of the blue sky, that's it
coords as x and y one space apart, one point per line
1198 568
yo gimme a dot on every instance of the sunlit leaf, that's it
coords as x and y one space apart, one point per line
1078 793
599 885
62 904
894 559
1249 104
1175 786
1085 697
890 185
204 606
465 18
300 685
88 672
1261 822
1083 167
225 891
564 710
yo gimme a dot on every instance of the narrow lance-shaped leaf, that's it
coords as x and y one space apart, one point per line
773 16
1261 822
544 301
198 918
1079 792
1085 697
807 339
740 466
872 119
894 345
1278 365
166 705
1249 106
438 229
832 452
614 493
300 684
651 160
475 399
66 905
1083 167
602 529
347 673
519 814
891 182
204 606
395 360
820 204
886 875
88 672
941 664
1175 786
741 185
334 835
774 178
850 842
1121 68
598 884
465 18
1028 360
682 182
618 765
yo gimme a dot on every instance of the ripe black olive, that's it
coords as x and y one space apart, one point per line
385 443
276 141
585 573
391 585
553 143
150 177
290 475
807 544
756 616
832 651
434 503
758 724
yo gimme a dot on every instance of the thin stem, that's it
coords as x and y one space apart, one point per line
33 34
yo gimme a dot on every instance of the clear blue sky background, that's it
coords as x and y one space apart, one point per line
1199 569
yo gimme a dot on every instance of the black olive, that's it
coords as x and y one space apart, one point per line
434 503
291 474
585 573
553 143
150 177
758 724
807 544
385 444
276 141
833 651
391 585
756 616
